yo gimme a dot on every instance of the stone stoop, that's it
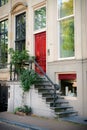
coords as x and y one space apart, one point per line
61 107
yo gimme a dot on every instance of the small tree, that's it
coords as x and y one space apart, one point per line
27 76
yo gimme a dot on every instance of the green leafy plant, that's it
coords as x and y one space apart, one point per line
27 109
19 58
24 109
27 76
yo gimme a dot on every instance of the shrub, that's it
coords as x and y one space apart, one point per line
25 109
28 78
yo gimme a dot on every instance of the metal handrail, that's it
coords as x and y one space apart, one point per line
40 68
56 86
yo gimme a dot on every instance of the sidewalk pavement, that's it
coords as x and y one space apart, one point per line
39 123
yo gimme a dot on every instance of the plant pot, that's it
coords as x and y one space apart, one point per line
21 113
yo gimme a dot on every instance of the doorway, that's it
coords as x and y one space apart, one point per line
3 98
40 51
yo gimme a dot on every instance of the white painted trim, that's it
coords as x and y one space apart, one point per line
70 98
39 31
20 12
40 5
67 58
4 17
64 18
61 19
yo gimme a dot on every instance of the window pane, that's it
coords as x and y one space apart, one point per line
20 27
2 27
67 38
3 42
6 38
6 1
6 26
2 2
2 39
65 8
17 33
20 31
23 18
20 45
40 18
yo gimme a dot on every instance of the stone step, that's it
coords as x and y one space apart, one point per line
61 108
42 82
45 94
66 113
59 103
51 98
42 86
45 90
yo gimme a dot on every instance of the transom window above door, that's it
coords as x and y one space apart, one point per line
40 18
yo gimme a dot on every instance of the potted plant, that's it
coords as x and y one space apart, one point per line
23 110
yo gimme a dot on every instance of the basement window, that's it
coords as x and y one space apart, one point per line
68 84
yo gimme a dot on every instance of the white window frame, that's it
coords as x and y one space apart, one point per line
3 20
58 32
43 29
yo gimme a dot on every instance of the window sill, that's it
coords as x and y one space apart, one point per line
68 58
70 98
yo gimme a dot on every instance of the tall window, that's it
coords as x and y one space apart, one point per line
3 42
66 28
40 18
3 2
20 31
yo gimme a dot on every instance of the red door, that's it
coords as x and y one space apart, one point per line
40 50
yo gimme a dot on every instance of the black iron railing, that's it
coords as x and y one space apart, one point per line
14 76
56 86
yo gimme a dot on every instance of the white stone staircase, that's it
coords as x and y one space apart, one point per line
59 106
